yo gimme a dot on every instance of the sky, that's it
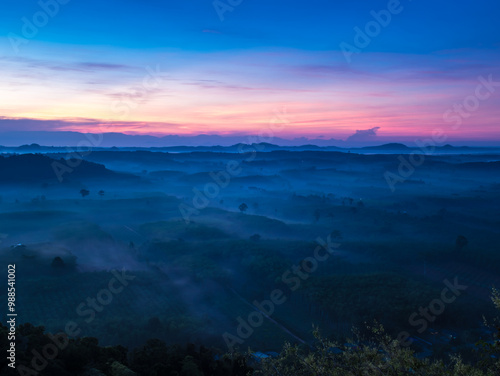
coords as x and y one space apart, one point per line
369 71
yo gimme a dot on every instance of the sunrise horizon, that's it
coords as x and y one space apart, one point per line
106 138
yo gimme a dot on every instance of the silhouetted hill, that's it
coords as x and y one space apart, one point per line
37 167
474 167
391 146
32 147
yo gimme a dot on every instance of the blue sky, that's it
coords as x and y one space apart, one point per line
423 26
228 76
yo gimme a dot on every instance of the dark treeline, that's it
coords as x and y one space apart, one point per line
374 353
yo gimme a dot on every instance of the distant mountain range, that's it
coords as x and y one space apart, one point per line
390 148
37 168
120 140
61 138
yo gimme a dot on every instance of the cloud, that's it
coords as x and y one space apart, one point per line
363 135
30 125
88 66
105 66
210 31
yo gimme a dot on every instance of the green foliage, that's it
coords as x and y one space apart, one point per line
118 369
377 355
84 357
373 353
496 298
347 296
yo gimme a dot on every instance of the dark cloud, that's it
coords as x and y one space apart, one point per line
24 124
52 65
363 135
91 65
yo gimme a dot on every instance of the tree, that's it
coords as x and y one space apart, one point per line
84 192
379 355
101 193
189 367
154 324
58 262
118 369
336 234
243 207
255 237
461 242
317 215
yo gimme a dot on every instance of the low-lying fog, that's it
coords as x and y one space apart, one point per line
197 239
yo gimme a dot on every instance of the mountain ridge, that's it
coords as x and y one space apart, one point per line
113 139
